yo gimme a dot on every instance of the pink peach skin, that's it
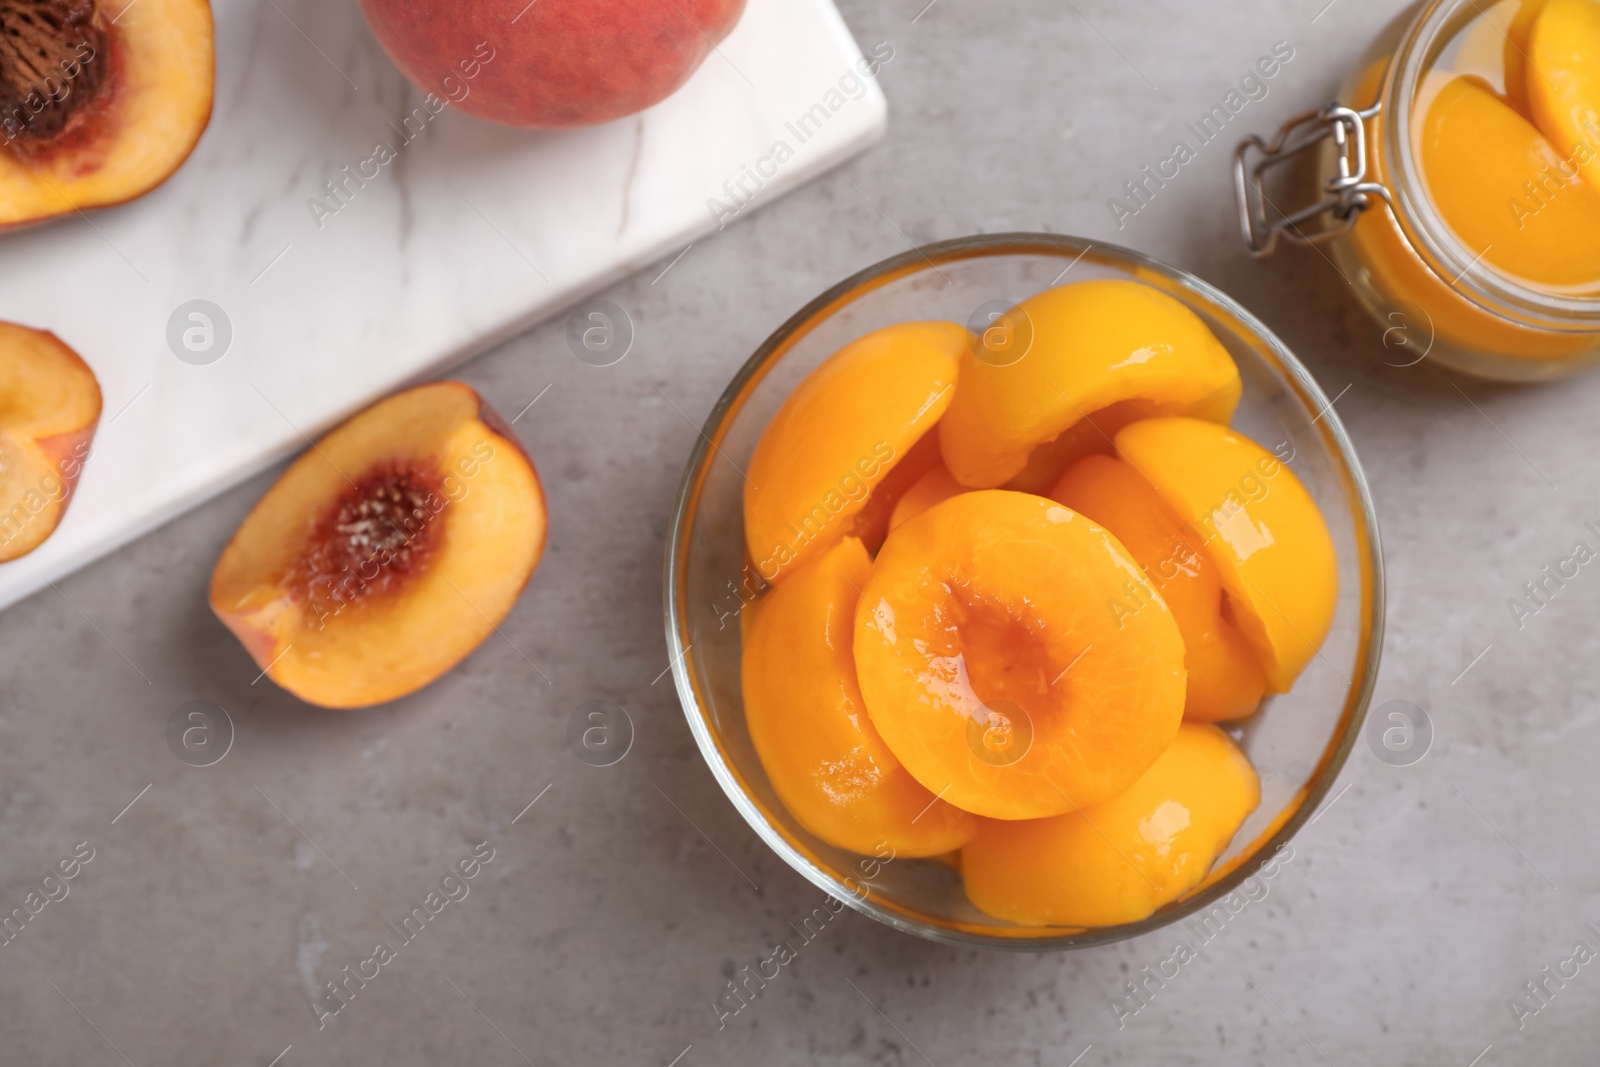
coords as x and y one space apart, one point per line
553 63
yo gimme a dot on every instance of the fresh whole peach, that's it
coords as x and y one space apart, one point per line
553 63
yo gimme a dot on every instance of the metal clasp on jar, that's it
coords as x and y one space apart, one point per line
1348 191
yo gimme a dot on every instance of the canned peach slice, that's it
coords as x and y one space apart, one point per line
839 435
995 667
1513 41
1105 352
1255 520
1225 676
934 487
1563 81
1507 191
825 760
1119 860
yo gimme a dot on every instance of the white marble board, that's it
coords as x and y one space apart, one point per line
471 234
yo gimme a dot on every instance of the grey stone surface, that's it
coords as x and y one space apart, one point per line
1416 906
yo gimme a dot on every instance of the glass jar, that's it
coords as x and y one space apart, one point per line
1432 294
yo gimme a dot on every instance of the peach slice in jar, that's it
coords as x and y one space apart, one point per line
1563 81
1106 352
49 408
1260 526
1514 44
994 668
838 436
1382 248
388 552
810 729
1506 190
1226 681
1119 860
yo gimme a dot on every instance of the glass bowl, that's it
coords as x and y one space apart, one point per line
1298 741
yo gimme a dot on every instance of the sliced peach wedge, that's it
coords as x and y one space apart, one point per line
49 408
1121 859
100 100
388 552
1504 188
1104 353
1514 45
1563 87
809 727
1226 681
852 422
935 486
1257 523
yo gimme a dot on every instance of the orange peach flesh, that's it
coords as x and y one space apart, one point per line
49 408
1226 680
992 668
803 705
134 97
840 435
387 553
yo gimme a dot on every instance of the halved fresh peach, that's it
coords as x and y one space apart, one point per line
1119 860
1504 189
1271 545
100 100
824 759
1225 677
1563 86
1107 351
839 434
49 408
934 487
388 552
993 663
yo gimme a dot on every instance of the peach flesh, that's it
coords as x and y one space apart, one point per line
49 408
387 552
100 102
